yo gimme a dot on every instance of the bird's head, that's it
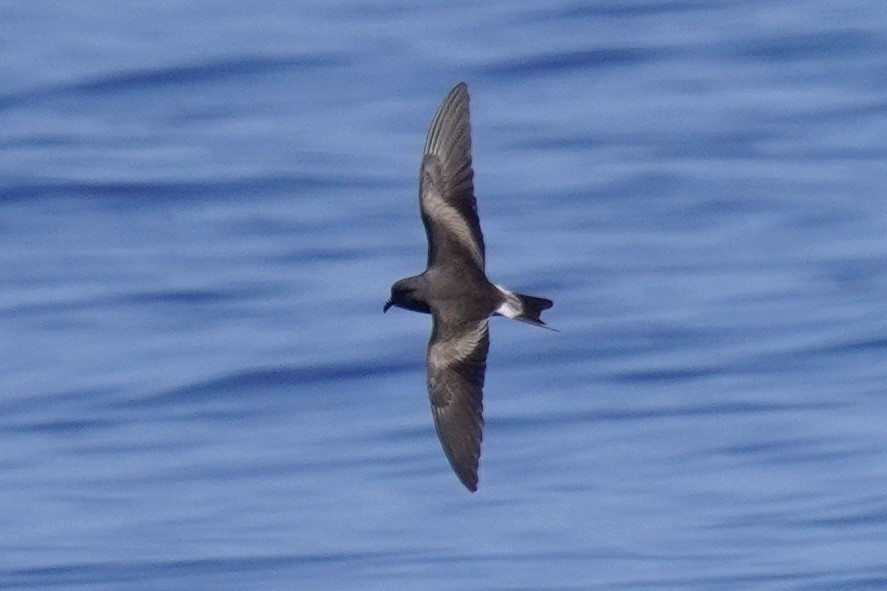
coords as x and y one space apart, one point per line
409 294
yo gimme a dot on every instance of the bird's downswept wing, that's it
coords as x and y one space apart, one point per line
457 362
446 185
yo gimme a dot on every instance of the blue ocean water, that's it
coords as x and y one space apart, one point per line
202 207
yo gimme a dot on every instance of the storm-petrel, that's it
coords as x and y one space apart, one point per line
454 288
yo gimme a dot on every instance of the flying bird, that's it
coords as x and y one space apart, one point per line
454 288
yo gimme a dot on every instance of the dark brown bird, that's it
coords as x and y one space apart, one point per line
454 288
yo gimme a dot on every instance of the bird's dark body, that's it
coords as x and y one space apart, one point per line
472 297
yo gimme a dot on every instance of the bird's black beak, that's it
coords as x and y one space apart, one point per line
388 304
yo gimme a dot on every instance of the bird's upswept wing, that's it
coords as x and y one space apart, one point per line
446 186
457 362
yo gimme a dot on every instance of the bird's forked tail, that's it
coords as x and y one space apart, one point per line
522 307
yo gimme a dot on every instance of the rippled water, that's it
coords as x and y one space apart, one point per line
203 206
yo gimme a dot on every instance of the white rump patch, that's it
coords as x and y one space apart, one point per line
511 307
